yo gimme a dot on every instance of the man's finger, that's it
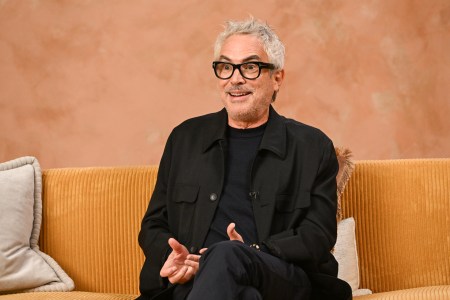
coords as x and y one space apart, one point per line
232 233
166 272
189 274
175 245
203 250
192 264
193 257
178 275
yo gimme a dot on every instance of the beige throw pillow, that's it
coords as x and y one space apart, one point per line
346 254
22 266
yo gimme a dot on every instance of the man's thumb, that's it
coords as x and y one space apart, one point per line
175 245
232 233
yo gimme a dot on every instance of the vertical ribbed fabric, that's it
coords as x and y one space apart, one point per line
91 221
402 214
67 296
424 293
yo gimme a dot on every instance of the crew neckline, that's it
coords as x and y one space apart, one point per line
248 132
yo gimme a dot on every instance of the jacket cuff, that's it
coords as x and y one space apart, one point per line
164 281
271 248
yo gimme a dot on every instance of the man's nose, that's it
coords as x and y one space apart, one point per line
237 77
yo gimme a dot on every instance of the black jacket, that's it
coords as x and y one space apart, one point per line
293 185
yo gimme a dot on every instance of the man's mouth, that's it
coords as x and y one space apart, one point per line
239 93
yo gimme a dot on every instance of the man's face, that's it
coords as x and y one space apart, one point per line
247 101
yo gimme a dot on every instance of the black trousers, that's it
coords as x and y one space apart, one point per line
232 270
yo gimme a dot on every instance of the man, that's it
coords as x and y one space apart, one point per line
245 202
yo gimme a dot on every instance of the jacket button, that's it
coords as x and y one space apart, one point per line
193 250
213 197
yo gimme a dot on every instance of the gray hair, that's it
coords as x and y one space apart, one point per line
271 43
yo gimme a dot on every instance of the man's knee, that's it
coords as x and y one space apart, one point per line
250 293
226 249
226 253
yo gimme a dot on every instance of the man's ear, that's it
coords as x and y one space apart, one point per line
278 77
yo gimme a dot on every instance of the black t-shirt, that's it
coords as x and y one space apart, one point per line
235 205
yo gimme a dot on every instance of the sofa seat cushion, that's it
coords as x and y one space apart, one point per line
66 296
440 292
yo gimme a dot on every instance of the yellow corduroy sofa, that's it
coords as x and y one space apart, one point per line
91 219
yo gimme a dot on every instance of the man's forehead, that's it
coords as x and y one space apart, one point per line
241 48
245 59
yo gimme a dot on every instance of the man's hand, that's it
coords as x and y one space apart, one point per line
175 268
232 233
192 260
180 266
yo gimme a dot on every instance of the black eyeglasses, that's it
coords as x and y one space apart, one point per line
248 70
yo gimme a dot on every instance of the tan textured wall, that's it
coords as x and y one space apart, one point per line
92 82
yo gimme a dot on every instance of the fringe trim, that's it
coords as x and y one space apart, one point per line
346 167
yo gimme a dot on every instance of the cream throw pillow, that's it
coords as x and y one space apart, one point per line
346 254
22 266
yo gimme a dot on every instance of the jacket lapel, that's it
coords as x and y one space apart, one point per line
274 138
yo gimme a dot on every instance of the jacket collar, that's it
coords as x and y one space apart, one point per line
215 129
274 138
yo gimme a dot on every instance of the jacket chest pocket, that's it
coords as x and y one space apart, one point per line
183 193
285 203
182 209
290 211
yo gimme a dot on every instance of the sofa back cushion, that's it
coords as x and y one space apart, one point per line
402 214
91 220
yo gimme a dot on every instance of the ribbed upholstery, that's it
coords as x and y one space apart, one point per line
402 213
423 293
91 220
67 296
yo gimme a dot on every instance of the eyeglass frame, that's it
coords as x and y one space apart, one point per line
261 65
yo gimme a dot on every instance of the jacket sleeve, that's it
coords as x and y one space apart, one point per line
154 232
309 244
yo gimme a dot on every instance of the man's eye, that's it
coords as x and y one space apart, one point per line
251 67
227 67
